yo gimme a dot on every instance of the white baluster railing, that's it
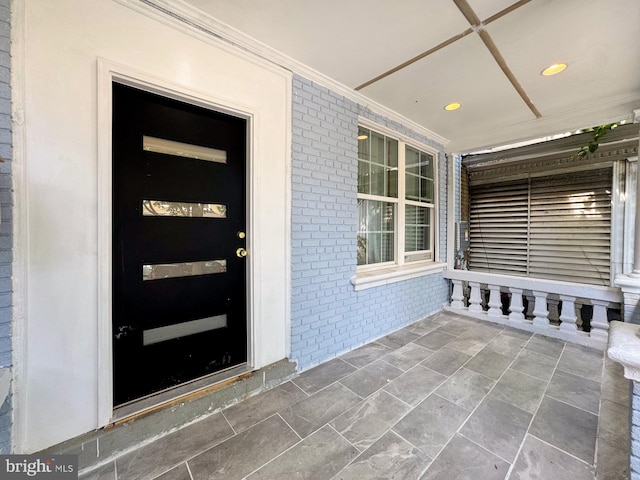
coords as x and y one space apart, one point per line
553 308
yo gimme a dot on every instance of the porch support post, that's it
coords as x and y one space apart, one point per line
515 307
540 312
495 305
475 302
630 283
457 297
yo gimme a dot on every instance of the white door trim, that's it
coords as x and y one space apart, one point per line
108 72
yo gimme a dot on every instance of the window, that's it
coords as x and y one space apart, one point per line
396 201
555 227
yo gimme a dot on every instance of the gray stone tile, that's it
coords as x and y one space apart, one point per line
415 385
577 391
318 457
370 378
106 472
534 364
497 426
454 328
488 363
240 455
464 460
398 339
363 356
469 343
434 340
431 424
550 347
566 427
323 375
614 386
517 333
614 424
181 472
423 327
408 356
487 330
520 390
582 361
312 413
466 388
612 462
363 424
255 409
391 457
540 460
506 345
446 361
170 450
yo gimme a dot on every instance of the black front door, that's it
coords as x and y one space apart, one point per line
179 267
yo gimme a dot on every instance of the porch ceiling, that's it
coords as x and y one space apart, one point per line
416 56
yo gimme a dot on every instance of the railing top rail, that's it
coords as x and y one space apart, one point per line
578 290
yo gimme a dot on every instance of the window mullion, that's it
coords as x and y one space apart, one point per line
400 229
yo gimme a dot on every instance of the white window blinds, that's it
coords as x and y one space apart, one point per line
555 227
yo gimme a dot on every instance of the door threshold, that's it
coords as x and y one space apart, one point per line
141 406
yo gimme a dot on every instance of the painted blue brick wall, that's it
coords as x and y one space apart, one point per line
327 316
6 227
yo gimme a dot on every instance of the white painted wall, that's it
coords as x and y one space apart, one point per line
63 370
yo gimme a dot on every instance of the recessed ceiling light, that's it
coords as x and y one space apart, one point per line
452 106
554 69
363 137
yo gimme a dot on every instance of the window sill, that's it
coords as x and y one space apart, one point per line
385 276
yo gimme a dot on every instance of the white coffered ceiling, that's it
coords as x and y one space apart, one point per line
416 56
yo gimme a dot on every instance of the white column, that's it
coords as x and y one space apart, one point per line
540 312
568 315
475 302
457 297
630 283
495 305
515 307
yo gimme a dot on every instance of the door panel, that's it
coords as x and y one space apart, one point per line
179 199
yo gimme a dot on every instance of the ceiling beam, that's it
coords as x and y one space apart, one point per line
478 26
416 58
488 41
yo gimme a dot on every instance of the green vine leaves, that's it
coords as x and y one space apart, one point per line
598 133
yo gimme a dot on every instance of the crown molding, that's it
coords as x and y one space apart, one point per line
556 163
177 13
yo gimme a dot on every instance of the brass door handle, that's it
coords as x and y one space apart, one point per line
241 252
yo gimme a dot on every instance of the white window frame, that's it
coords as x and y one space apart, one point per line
401 268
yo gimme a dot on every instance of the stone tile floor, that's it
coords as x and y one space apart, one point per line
446 398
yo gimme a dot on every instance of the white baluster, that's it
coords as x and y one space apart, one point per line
552 305
457 297
540 312
568 315
495 305
515 307
475 302
579 313
599 323
531 301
